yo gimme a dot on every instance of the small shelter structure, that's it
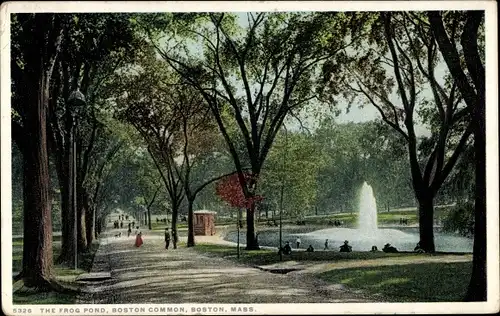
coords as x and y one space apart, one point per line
204 223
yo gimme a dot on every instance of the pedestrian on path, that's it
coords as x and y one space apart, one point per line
167 238
326 244
129 231
138 240
297 241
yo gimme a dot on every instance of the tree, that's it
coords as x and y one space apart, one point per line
36 42
401 44
91 51
467 68
273 60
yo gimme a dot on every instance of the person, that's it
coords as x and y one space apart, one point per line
133 224
310 249
389 249
138 240
129 231
326 244
297 241
418 248
374 249
345 247
287 249
167 238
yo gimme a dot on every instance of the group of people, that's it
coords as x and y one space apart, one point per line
169 238
335 223
403 221
117 224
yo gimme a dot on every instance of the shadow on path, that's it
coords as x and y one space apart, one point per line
151 274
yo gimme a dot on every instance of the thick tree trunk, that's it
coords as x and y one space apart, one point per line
81 233
89 224
426 223
251 241
477 290
37 247
190 241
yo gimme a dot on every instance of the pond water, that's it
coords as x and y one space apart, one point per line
403 239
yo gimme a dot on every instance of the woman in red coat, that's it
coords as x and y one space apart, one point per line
138 240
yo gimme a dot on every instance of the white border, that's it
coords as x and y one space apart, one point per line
493 303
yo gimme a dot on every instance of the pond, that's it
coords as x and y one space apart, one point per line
403 239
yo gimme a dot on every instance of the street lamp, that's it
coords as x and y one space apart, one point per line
76 100
281 193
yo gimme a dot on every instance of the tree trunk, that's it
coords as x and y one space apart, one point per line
81 212
89 224
37 247
190 241
426 222
175 235
477 290
149 218
67 237
251 241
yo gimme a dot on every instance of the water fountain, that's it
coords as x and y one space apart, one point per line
367 220
367 233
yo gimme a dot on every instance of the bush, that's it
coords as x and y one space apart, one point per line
460 219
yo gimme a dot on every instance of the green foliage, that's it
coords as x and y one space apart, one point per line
460 219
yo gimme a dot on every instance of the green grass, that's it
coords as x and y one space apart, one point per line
44 298
266 256
423 282
405 282
64 274
161 226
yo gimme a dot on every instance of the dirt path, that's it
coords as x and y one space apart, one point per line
151 274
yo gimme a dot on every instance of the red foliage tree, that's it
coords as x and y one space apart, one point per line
229 189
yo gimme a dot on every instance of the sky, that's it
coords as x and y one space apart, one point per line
355 114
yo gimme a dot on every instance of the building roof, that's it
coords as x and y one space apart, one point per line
204 212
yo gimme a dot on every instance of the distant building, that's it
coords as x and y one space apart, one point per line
204 223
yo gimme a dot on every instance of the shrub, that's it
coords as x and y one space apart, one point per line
460 219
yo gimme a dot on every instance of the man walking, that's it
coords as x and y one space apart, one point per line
167 238
297 241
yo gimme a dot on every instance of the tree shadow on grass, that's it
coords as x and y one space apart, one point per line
423 282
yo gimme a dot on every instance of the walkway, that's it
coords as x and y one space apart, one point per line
151 274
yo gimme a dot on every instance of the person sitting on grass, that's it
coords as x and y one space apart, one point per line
287 250
418 248
389 249
310 249
345 247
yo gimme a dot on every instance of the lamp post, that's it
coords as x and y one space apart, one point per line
76 100
282 193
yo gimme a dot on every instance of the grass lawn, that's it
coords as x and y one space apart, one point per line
63 274
422 282
267 256
405 282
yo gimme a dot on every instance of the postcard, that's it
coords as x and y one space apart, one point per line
249 158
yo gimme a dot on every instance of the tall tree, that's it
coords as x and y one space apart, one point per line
36 42
260 74
91 51
466 65
401 44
